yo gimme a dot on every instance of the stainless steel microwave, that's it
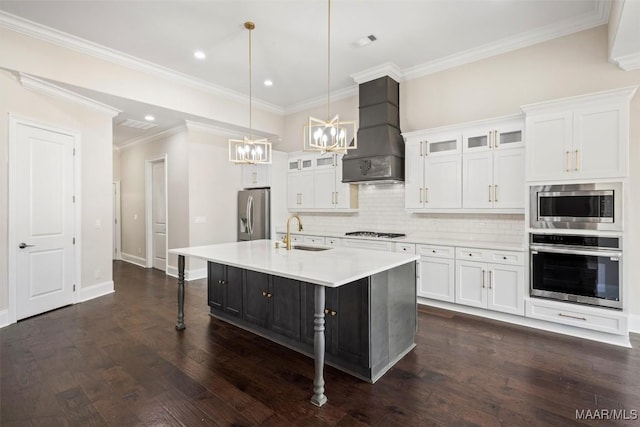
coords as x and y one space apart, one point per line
596 206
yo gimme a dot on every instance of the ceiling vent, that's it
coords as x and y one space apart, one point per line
137 124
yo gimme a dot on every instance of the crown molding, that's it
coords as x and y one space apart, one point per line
41 86
599 16
152 138
321 100
50 35
382 70
623 94
628 62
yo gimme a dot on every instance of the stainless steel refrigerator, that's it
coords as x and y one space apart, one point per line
254 221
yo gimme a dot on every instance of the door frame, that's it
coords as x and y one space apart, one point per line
14 121
148 208
117 222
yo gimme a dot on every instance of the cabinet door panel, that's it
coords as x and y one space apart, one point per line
470 283
597 151
256 306
233 291
443 182
215 288
350 324
437 279
549 145
414 176
324 181
505 289
285 306
508 179
477 187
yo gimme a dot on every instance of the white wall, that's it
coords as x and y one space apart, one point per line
96 176
213 190
133 158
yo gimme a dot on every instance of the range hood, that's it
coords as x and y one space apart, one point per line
379 157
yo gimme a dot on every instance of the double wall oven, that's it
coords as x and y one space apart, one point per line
572 265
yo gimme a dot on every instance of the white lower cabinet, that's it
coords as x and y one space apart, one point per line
492 286
436 272
594 318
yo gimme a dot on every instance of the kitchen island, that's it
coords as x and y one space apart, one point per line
369 298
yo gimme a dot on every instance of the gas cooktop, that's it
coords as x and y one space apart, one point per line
374 234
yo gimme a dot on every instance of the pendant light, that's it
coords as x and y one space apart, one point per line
249 150
330 135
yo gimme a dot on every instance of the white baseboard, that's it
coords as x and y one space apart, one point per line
620 340
4 318
198 273
634 323
95 291
136 260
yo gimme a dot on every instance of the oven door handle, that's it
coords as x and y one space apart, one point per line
535 248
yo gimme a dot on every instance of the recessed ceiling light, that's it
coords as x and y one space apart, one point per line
268 82
149 118
365 40
199 54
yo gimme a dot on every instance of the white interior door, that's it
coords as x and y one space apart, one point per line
158 215
42 174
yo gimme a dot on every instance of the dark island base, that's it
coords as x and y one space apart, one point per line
370 323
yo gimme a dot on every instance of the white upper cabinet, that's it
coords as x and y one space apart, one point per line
584 137
433 171
315 183
491 136
256 176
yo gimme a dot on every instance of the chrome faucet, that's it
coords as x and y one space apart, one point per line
287 237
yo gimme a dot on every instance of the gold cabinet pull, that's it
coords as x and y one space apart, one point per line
264 293
483 277
333 313
576 159
420 190
489 138
567 161
421 149
495 138
489 188
426 194
495 193
490 279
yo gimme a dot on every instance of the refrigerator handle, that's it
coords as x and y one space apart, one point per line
250 215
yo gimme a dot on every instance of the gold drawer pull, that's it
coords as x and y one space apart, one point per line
572 317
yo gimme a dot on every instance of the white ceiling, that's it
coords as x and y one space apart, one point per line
290 39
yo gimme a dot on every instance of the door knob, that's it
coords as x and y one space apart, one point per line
24 245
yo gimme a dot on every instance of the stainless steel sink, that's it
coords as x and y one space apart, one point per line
310 248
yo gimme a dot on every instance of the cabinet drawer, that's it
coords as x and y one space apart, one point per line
407 248
368 244
583 317
435 251
280 236
507 257
318 240
473 254
333 241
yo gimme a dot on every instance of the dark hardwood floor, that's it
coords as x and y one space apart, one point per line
117 360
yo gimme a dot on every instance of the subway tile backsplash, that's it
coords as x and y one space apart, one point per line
382 209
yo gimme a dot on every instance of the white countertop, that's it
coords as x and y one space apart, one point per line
504 243
333 267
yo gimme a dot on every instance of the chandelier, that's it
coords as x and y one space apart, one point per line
330 135
249 150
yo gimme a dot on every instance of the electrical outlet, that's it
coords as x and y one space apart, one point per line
98 224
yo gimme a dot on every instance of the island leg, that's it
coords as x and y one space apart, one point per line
180 322
318 397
